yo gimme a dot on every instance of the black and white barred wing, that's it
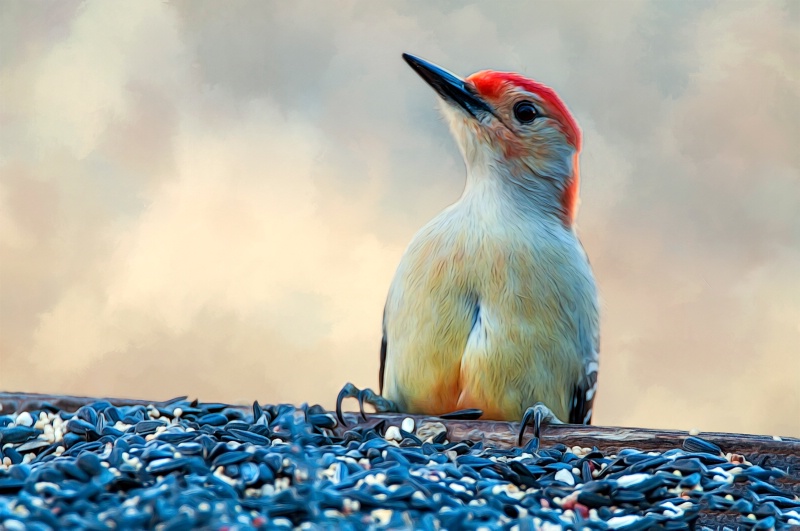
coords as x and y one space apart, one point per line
583 395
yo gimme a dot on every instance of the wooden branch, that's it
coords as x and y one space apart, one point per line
608 439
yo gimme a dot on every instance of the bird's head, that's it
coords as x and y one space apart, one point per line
512 128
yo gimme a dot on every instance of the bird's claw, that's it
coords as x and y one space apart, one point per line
367 396
348 391
536 416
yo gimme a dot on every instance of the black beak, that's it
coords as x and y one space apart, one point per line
449 86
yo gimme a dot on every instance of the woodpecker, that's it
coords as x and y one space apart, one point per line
494 305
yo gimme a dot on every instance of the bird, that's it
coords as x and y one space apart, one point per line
494 309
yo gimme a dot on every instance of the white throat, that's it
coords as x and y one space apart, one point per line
491 182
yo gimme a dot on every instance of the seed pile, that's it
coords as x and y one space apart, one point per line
189 464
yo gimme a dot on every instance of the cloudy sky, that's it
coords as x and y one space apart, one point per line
211 199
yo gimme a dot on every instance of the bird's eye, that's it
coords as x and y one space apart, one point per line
525 112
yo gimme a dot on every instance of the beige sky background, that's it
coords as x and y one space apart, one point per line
211 199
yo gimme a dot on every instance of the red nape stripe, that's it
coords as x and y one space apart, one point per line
491 85
569 201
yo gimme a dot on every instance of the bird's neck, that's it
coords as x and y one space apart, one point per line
543 198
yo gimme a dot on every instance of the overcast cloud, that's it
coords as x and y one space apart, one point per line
211 198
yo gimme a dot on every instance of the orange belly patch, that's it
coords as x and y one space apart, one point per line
442 398
490 411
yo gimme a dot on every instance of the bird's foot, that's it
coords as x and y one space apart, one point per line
536 416
368 396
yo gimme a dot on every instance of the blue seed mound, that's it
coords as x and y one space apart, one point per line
194 465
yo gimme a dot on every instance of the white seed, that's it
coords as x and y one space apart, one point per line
458 488
408 425
14 525
631 479
393 434
39 487
694 432
24 419
381 516
616 522
565 476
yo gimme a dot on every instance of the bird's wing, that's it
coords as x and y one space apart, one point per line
382 369
383 364
583 394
